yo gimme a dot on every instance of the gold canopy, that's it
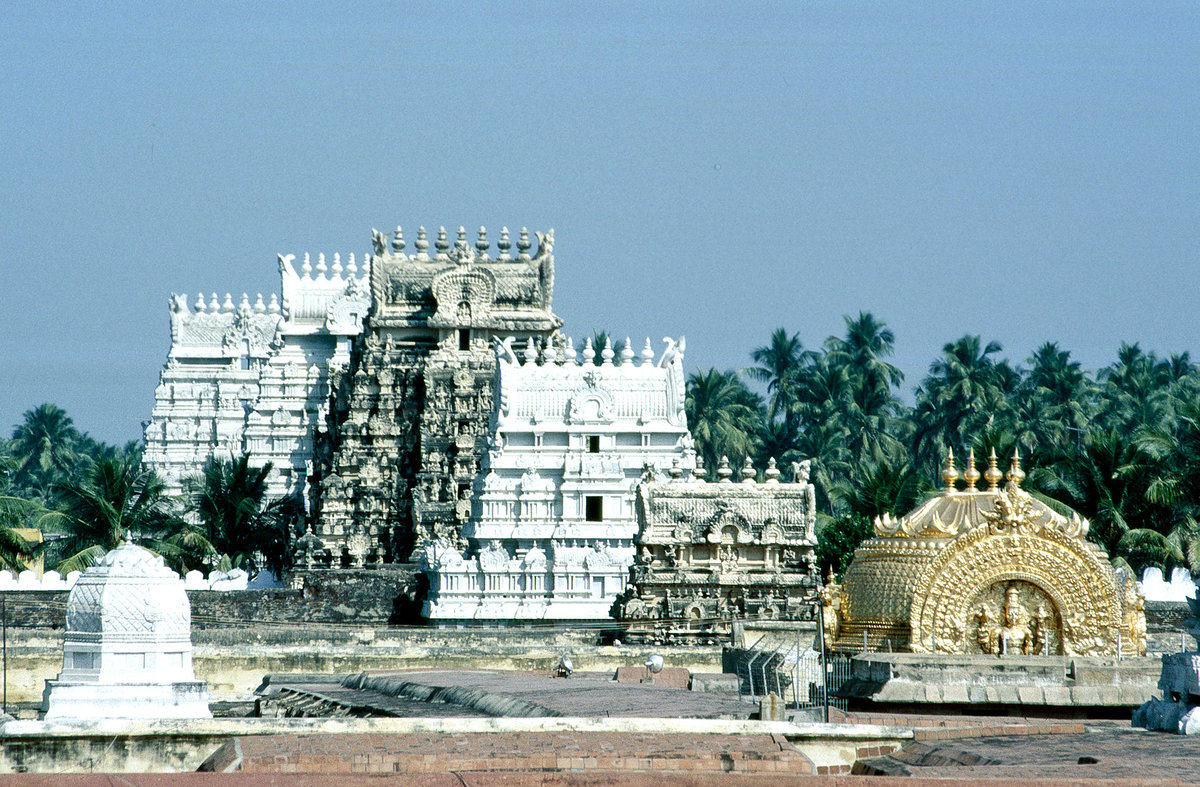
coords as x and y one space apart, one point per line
993 571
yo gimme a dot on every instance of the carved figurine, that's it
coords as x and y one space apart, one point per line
985 632
830 608
1014 634
1041 632
1137 626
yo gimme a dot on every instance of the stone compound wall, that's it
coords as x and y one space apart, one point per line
371 597
1163 616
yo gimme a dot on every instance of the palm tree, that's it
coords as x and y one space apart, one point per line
44 444
777 440
18 513
1135 389
115 498
1173 450
870 408
236 526
963 394
868 341
1054 404
777 364
877 488
724 416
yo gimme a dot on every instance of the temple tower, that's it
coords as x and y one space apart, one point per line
254 378
409 421
551 520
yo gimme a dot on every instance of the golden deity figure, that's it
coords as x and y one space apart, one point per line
1041 630
985 634
830 607
1014 635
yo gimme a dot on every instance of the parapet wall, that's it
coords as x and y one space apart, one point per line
366 597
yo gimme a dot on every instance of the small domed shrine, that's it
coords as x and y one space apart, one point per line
128 646
994 571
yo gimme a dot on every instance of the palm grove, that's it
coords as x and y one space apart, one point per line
1121 446
87 496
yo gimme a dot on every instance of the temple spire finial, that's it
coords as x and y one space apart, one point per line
724 471
950 473
504 244
971 476
482 244
647 354
626 352
992 475
1015 474
422 244
523 245
441 244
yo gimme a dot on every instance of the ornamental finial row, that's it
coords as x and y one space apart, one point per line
800 471
323 270
462 250
992 475
215 305
548 351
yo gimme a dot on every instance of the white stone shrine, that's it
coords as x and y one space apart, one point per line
255 377
127 652
551 520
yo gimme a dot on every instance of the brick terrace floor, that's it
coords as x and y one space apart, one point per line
567 752
1014 749
1100 753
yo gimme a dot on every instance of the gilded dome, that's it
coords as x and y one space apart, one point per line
994 571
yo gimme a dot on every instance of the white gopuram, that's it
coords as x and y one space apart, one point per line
551 520
127 653
255 377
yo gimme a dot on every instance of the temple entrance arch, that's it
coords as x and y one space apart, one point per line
1026 590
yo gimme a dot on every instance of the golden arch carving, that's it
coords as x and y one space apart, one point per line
1081 587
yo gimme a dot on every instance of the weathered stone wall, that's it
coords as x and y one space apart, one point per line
371 597
1163 616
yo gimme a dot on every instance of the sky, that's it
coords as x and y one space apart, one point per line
1026 171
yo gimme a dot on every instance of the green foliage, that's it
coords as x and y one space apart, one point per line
114 498
837 538
234 525
1121 447
17 513
724 415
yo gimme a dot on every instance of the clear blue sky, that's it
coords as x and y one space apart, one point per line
1025 171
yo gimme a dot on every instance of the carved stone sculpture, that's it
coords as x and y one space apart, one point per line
711 552
421 385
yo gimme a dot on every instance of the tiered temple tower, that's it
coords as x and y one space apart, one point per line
552 520
409 423
254 377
